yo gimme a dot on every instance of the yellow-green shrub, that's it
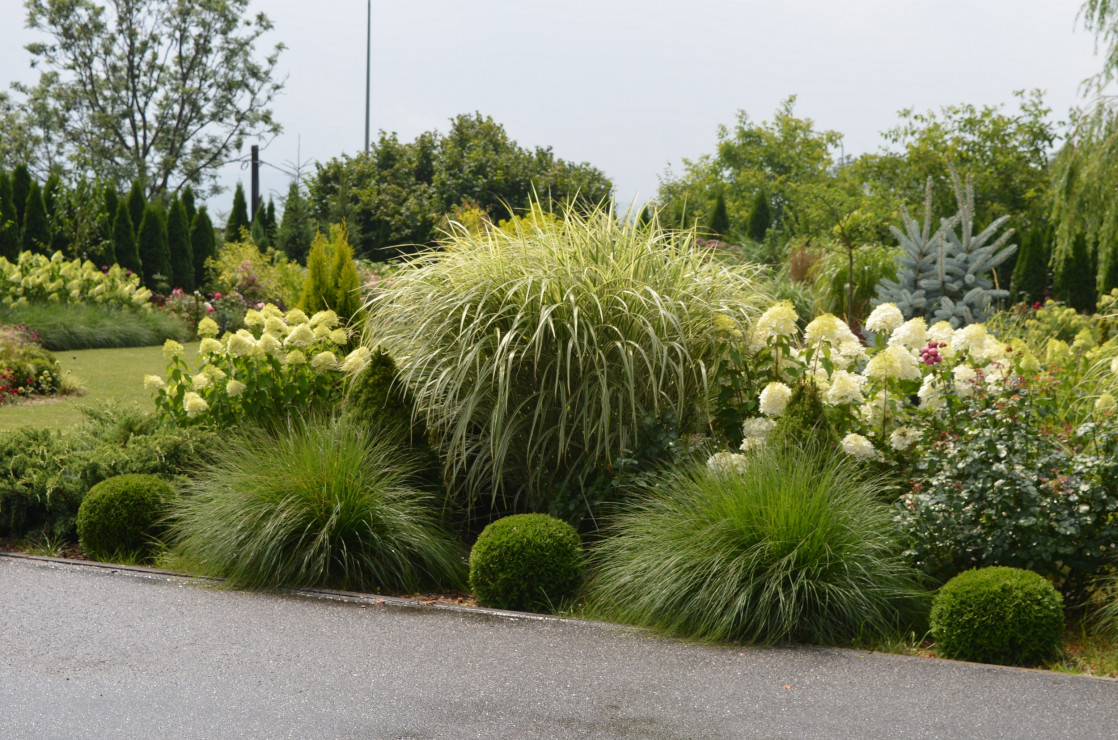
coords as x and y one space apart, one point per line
35 278
258 277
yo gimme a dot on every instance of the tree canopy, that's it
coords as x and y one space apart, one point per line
163 92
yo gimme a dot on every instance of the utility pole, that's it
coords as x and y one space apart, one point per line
368 67
255 181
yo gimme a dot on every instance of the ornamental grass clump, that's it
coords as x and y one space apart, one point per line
315 504
788 543
534 353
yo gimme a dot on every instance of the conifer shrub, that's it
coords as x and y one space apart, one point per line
124 246
804 420
532 562
998 615
178 244
238 218
155 252
35 235
332 283
123 515
203 243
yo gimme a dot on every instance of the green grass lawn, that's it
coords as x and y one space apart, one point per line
105 374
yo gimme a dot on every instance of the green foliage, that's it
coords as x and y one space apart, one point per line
136 204
314 504
238 220
169 106
332 282
1074 273
35 235
830 278
155 253
45 474
203 244
296 230
719 219
122 515
34 278
759 217
532 562
187 198
796 546
257 276
9 228
62 327
1030 273
1000 489
21 190
804 421
942 275
318 288
998 615
395 193
376 397
178 243
535 356
25 366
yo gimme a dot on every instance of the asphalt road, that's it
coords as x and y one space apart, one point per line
94 653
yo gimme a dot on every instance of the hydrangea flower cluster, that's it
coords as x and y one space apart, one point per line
282 361
35 278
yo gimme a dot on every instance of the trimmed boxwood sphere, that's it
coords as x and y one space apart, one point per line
998 615
121 515
526 561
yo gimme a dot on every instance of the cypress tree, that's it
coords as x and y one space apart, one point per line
1030 274
343 274
21 188
9 230
270 223
178 243
155 255
259 230
238 219
760 218
124 239
109 202
296 230
36 229
52 199
1073 279
318 289
188 203
136 204
203 242
720 219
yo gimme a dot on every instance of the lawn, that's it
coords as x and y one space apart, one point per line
104 374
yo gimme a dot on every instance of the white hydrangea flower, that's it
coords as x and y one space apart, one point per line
846 388
209 346
235 388
241 344
885 318
825 328
295 317
751 443
271 311
154 383
295 358
931 399
1105 403
965 377
275 325
872 413
757 426
270 345
324 361
339 336
774 399
893 362
207 327
254 318
300 336
1114 366
903 437
200 382
941 332
214 373
778 321
727 463
858 446
912 334
329 319
194 405
356 360
171 348
849 352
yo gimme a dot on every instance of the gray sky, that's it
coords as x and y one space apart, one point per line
633 87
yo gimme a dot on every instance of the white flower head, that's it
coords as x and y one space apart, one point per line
846 388
241 344
885 318
295 358
858 446
154 383
727 463
1114 366
275 325
209 346
271 310
329 319
194 405
826 328
931 399
295 317
778 321
254 318
171 348
912 334
200 382
324 361
757 427
235 388
339 336
903 437
965 377
270 345
893 362
1105 403
301 336
207 327
774 399
941 332
356 360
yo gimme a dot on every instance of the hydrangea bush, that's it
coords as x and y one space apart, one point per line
35 278
279 363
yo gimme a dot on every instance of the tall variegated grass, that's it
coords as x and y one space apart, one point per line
320 503
534 354
799 547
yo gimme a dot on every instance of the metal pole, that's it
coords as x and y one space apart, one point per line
255 181
368 68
